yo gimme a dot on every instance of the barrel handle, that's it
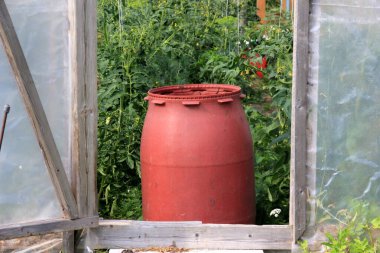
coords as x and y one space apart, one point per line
225 100
158 102
242 96
191 103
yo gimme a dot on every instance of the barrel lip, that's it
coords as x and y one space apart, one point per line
194 92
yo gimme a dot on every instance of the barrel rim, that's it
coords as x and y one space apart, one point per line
223 91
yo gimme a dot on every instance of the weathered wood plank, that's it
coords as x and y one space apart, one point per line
139 234
299 114
43 227
84 107
91 110
36 113
82 15
78 146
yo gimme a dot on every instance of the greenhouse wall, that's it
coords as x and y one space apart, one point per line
26 192
343 134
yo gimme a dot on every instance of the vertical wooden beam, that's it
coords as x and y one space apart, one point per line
261 5
299 115
36 113
83 44
78 145
92 105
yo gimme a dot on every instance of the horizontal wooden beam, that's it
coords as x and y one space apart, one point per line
36 113
189 235
43 227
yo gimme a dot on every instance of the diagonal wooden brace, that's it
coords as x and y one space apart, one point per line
36 113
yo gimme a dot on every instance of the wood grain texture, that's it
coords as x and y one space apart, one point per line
82 15
43 227
91 106
78 131
36 113
191 235
299 113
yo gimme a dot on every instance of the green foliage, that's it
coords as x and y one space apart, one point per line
356 232
356 236
145 44
270 120
304 245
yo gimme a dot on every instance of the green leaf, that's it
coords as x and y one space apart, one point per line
269 195
131 162
376 223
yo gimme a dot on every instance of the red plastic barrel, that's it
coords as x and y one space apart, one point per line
197 156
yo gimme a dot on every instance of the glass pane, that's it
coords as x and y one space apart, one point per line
26 192
344 116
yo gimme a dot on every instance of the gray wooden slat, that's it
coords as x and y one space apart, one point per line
43 227
36 113
82 16
84 106
299 113
78 131
192 235
92 105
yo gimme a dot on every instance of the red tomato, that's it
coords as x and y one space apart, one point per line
259 74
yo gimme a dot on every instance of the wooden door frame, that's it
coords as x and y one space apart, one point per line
129 234
195 235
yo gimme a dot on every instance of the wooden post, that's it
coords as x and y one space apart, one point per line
261 4
298 195
82 14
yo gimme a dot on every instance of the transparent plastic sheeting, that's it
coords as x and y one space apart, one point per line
26 191
51 243
344 111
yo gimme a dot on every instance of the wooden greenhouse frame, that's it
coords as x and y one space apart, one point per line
79 199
